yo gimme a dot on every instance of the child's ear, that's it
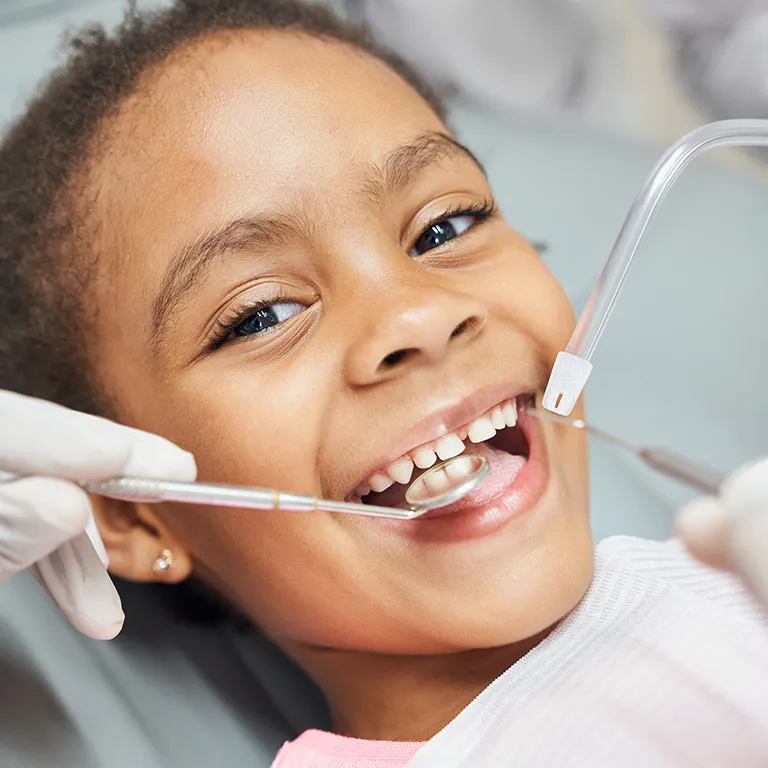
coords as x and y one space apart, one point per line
139 546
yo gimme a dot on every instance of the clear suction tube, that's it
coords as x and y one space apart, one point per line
573 366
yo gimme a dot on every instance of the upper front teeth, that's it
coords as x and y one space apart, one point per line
424 457
401 470
446 447
481 429
509 410
379 482
450 445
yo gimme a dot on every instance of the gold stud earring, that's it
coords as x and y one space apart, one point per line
163 564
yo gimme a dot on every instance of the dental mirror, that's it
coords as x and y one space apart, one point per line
440 486
446 482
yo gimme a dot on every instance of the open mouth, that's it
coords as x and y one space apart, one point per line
494 434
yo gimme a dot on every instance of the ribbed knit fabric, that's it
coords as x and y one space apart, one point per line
664 663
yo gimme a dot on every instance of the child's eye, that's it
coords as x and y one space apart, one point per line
264 318
441 232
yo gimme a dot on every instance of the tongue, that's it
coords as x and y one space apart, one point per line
504 468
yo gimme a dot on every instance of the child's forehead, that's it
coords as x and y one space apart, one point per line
229 127
275 76
272 104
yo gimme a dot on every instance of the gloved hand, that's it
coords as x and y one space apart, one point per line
46 523
731 531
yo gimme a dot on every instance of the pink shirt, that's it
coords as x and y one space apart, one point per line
318 749
664 663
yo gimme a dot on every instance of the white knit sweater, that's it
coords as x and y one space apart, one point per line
664 663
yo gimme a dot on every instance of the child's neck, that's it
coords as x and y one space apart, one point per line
404 698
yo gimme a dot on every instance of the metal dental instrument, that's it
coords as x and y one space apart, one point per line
447 482
573 366
675 467
440 486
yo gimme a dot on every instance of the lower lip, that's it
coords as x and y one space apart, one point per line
513 501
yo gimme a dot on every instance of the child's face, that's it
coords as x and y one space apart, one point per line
296 175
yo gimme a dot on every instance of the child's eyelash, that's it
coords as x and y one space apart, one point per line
227 324
481 211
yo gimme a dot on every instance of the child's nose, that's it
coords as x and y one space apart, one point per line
418 331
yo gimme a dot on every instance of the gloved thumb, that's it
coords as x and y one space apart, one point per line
745 497
731 532
704 528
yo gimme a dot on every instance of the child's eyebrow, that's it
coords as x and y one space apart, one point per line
192 261
393 175
408 160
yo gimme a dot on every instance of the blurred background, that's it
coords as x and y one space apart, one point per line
569 103
645 69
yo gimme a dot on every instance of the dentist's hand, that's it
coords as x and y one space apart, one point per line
731 531
46 523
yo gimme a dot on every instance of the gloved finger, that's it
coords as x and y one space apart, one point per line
745 496
37 515
93 534
43 524
78 583
704 527
746 490
156 457
41 438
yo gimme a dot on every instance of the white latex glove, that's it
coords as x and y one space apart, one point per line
731 531
46 523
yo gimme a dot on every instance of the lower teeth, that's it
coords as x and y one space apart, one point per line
460 468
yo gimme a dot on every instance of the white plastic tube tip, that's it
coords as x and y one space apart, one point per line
566 383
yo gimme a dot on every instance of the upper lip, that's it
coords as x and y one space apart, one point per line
444 419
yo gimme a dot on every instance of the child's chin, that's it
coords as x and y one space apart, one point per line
520 605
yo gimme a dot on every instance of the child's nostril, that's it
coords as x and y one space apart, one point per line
463 327
393 358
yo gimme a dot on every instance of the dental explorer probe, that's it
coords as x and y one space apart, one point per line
660 460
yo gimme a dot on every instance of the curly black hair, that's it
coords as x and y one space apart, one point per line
46 257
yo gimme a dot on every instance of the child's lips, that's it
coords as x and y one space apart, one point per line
446 433
514 488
